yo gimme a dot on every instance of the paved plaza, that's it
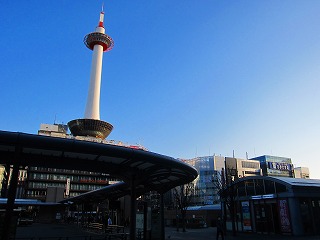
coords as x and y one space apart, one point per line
70 231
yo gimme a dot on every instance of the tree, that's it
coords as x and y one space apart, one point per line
183 195
224 183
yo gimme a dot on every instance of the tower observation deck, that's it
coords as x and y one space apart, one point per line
91 125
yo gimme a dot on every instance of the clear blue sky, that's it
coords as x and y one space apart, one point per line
185 78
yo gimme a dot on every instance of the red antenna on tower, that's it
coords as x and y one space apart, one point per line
101 16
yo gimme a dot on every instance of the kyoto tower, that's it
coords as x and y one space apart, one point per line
91 125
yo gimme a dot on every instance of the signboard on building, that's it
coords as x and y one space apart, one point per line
68 187
267 196
139 221
280 166
284 216
246 222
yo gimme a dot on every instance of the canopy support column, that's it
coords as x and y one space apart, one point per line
162 230
11 195
133 207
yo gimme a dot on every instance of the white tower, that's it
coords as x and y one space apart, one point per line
91 125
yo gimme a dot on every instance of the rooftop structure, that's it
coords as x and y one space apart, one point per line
275 166
238 168
60 130
301 172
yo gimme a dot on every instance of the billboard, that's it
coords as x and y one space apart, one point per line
246 223
68 187
284 216
280 166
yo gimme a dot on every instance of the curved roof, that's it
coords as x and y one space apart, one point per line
289 182
285 186
299 181
147 170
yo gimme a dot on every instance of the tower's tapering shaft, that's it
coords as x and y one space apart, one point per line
93 100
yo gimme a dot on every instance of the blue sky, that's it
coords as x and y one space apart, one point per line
186 78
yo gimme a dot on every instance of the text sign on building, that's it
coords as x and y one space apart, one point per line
68 187
267 196
284 216
280 166
246 216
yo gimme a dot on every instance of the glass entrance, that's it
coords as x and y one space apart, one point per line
266 216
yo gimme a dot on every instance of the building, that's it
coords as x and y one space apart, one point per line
73 182
273 205
238 168
34 182
2 178
206 185
301 172
53 130
5 176
217 171
275 166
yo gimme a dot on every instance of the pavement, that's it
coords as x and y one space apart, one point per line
38 231
210 233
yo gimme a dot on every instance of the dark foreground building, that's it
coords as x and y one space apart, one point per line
273 205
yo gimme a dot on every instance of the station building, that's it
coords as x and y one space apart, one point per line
273 205
37 182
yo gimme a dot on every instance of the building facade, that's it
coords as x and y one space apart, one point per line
33 182
206 185
275 166
301 172
2 179
238 168
73 182
273 205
